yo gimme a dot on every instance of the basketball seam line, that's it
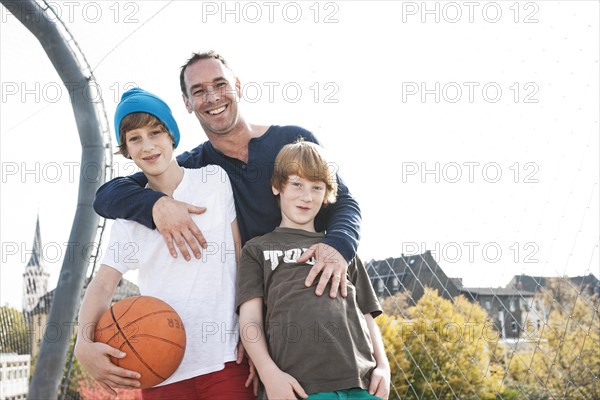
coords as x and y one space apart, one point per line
162 339
154 313
132 348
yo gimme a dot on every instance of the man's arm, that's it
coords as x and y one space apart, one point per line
342 222
278 384
127 198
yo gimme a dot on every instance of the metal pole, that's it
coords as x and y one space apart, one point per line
52 357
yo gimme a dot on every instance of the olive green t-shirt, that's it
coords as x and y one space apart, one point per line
322 342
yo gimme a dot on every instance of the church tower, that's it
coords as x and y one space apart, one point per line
35 277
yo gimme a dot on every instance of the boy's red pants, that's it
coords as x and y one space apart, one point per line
227 383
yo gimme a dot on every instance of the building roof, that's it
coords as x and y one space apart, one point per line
36 259
535 283
412 273
43 304
124 289
497 292
458 282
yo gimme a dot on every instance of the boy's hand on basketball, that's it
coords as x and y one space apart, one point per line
331 264
173 221
95 358
380 382
282 386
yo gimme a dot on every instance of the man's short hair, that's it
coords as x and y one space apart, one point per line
195 58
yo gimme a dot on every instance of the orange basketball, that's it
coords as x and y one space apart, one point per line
149 331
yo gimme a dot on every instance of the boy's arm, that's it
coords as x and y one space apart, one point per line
95 356
278 384
380 377
252 378
367 302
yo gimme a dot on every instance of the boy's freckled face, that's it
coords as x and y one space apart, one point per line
151 148
300 201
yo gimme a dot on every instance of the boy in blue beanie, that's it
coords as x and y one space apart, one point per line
202 292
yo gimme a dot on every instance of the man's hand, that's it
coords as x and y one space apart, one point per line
95 358
173 221
332 265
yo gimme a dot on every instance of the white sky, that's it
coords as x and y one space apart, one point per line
513 132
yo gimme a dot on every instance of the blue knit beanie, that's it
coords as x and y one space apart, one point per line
138 100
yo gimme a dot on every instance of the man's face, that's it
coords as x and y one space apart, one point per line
212 93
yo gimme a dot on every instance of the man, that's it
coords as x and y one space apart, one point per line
247 153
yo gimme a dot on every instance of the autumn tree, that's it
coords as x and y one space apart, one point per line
89 389
397 304
442 349
400 371
564 361
14 334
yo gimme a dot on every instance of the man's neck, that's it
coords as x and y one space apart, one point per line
235 143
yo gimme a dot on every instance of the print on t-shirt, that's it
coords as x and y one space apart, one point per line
289 256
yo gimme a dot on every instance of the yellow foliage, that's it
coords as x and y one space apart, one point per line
565 360
394 346
449 349
442 350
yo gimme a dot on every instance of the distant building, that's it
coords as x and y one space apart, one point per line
588 284
35 277
412 274
14 376
538 312
38 317
515 313
37 299
516 310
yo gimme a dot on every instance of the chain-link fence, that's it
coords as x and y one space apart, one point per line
536 338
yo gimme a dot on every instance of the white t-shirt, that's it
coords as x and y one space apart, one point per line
201 291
